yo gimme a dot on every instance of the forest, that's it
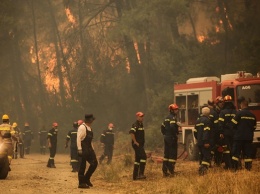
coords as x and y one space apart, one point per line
61 59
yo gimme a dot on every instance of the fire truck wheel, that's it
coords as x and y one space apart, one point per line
191 148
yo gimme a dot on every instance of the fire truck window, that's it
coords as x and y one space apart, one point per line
193 109
181 102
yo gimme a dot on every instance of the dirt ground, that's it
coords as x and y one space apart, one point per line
30 175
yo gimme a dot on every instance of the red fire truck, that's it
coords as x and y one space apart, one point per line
191 96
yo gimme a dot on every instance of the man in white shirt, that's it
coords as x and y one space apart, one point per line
86 152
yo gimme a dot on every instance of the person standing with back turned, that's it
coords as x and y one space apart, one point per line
244 126
86 152
169 129
52 143
107 139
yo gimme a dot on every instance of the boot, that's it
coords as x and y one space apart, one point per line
235 165
202 170
227 160
49 163
74 167
141 172
165 169
171 167
82 182
136 171
248 165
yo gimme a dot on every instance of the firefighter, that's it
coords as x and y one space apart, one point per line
72 137
86 152
52 144
43 141
226 129
27 138
244 126
169 129
107 139
138 139
215 107
203 136
6 136
18 141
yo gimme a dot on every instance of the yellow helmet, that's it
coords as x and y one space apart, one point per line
5 117
14 125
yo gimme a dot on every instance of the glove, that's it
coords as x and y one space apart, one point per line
80 153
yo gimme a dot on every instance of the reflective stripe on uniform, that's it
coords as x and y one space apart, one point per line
226 152
133 129
248 160
206 128
235 158
68 136
5 128
140 129
137 163
205 163
221 119
234 121
73 160
172 160
50 134
165 159
51 158
171 122
143 161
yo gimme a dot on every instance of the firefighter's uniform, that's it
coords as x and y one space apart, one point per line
225 127
86 152
140 156
203 135
215 139
245 124
107 138
27 138
169 129
17 143
6 132
52 140
43 141
72 137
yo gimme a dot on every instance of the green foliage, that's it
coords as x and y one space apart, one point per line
116 59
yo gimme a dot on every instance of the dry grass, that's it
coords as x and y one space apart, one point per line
117 178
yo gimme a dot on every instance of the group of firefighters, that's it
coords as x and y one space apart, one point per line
16 141
223 135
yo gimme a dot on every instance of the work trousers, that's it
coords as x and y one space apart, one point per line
140 161
170 154
88 155
74 158
52 149
108 152
245 147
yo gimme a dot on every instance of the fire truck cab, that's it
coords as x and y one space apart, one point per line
194 94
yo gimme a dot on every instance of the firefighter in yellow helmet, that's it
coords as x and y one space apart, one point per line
6 136
18 142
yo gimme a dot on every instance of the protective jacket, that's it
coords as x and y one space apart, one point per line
245 124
